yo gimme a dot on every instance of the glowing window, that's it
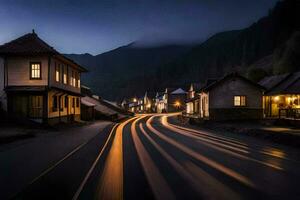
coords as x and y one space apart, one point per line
35 71
239 100
57 73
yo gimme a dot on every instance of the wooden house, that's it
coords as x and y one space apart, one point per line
172 100
149 102
282 97
37 82
230 98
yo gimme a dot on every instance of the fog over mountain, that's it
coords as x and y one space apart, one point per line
268 46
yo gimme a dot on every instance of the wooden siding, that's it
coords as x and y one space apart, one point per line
60 84
19 71
65 111
222 95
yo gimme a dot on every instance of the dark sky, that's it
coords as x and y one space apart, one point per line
80 26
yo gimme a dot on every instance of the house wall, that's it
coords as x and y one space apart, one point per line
221 101
65 111
60 84
190 108
204 105
18 69
3 96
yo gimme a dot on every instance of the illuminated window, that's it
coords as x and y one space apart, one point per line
239 100
65 79
35 71
78 80
73 79
57 73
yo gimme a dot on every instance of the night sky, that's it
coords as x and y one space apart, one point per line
74 26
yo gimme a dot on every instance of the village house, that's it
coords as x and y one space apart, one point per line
94 107
172 100
149 102
132 105
282 97
193 98
37 82
231 97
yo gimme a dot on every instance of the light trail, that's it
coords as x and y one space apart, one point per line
156 181
186 133
200 157
111 182
214 189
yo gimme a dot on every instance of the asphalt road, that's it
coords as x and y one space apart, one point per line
150 157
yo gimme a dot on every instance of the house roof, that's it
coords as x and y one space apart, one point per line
178 91
271 81
150 95
98 105
31 44
286 84
230 76
159 94
196 86
85 102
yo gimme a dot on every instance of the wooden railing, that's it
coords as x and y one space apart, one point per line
290 113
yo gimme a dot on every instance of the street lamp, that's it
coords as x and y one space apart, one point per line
177 104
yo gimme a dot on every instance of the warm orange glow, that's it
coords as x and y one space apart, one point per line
177 104
198 156
276 98
134 100
112 177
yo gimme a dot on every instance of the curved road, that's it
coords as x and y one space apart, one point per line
153 157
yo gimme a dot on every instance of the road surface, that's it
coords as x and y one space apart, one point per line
151 157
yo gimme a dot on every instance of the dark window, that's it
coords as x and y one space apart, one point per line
77 102
54 103
73 102
61 106
35 70
66 102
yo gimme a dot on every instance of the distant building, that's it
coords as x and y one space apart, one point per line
193 99
160 103
282 98
149 102
37 82
172 100
229 98
93 107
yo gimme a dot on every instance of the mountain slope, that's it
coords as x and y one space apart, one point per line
271 45
111 72
236 50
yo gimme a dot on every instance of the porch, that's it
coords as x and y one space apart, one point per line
285 106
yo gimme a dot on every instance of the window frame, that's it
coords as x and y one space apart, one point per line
65 75
66 102
30 71
57 73
54 103
240 96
